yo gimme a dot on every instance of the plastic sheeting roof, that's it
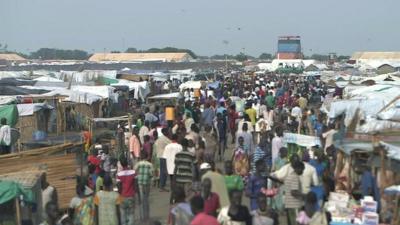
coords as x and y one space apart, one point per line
393 151
103 91
167 96
30 109
75 96
190 85
48 79
141 89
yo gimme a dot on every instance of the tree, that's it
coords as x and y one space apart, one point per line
163 50
241 57
131 50
52 53
343 57
265 56
172 49
320 57
222 57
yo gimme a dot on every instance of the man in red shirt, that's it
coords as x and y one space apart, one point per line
127 189
201 218
211 199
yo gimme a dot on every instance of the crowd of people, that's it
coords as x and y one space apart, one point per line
220 147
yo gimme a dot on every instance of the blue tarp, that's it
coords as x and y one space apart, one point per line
214 85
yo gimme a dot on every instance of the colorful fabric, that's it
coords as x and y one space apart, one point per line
85 213
240 162
252 113
254 186
234 182
107 202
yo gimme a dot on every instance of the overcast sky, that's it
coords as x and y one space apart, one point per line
341 26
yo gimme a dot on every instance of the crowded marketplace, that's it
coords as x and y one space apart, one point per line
238 148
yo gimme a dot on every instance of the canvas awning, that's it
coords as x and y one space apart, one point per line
302 140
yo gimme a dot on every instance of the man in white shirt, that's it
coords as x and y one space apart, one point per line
159 146
296 112
144 130
169 154
5 137
308 179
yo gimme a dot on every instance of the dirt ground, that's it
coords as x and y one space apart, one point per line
159 201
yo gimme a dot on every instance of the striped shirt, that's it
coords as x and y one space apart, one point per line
259 153
292 182
183 166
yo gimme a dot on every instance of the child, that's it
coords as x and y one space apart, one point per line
240 159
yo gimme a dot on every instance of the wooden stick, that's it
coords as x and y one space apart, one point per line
17 211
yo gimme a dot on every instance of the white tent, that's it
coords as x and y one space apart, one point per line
141 89
167 96
190 85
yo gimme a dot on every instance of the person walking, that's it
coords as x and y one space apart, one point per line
184 165
293 195
144 173
127 188
211 199
169 154
107 204
159 147
134 145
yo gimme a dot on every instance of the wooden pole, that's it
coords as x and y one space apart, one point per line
17 211
396 218
64 123
128 153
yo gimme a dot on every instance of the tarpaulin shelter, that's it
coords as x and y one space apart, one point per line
22 187
10 112
33 120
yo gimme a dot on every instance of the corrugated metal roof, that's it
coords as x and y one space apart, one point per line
376 55
140 57
27 177
11 57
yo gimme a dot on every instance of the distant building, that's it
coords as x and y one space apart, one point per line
141 57
315 67
386 68
10 58
289 47
376 59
